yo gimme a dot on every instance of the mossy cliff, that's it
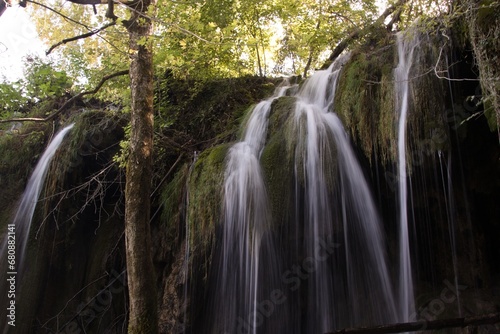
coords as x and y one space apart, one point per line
444 154
365 96
483 22
77 277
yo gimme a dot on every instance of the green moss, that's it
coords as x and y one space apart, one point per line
385 128
363 98
205 194
277 158
278 171
281 110
491 116
209 110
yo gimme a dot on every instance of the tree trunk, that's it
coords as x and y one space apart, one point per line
311 48
258 59
143 317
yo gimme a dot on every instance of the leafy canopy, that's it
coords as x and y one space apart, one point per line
200 39
41 81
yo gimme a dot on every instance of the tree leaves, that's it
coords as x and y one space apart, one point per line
209 38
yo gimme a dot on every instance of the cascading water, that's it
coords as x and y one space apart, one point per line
24 213
406 43
245 222
355 287
336 237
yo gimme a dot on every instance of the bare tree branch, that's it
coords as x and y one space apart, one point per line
358 32
166 24
59 13
67 103
90 29
345 18
75 38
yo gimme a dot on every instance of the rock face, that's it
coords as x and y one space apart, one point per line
78 277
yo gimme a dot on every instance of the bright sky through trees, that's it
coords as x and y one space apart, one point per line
18 39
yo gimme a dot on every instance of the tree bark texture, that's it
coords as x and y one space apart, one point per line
143 317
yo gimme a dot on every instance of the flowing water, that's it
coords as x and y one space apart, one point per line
448 195
26 208
355 287
246 220
24 214
337 259
406 44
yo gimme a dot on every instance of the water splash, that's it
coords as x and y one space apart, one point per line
406 44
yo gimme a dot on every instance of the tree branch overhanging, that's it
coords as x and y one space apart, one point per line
75 38
59 13
68 102
358 32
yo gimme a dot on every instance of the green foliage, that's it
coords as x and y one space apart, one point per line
121 157
313 27
218 12
87 60
417 10
11 99
43 81
206 39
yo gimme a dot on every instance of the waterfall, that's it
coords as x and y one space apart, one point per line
354 288
406 43
337 257
246 220
26 208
